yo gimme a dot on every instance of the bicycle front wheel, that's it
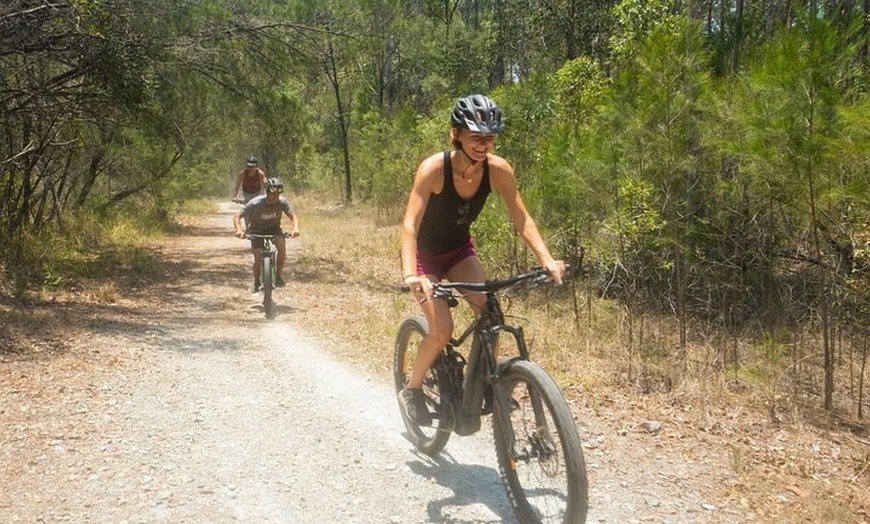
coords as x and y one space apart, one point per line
545 473
268 282
429 440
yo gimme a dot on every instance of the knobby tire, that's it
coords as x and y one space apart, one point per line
268 282
429 440
547 484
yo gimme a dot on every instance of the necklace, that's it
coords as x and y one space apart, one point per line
468 177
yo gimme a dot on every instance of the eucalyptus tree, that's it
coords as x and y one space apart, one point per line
100 100
331 55
396 79
69 74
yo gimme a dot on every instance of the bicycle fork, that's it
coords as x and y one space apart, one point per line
541 442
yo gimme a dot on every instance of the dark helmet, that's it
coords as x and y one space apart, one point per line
274 185
252 161
477 113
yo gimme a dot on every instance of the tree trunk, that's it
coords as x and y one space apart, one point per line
343 124
861 380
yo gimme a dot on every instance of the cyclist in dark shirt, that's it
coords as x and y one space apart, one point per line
449 191
263 217
251 181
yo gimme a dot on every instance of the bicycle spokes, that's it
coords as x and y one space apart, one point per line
539 453
427 439
544 449
532 434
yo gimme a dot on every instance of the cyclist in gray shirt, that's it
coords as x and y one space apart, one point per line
262 215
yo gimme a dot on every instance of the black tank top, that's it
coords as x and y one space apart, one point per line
448 217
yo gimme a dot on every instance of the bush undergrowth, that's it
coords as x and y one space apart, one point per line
595 346
84 248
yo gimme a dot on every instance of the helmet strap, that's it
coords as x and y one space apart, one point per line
462 148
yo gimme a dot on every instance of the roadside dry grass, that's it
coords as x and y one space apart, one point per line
806 467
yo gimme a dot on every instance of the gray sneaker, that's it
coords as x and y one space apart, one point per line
413 405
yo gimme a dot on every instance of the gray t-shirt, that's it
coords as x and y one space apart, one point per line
263 218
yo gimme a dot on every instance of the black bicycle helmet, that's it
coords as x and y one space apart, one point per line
477 113
274 185
252 161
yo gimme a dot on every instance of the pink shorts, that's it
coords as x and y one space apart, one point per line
439 264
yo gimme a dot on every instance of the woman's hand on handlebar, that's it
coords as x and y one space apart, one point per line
421 286
556 270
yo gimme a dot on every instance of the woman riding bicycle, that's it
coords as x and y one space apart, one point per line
449 191
263 217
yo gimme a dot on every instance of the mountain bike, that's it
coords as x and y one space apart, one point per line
268 269
539 452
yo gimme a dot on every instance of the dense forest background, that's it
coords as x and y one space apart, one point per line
710 158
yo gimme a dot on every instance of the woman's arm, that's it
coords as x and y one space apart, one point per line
426 180
504 182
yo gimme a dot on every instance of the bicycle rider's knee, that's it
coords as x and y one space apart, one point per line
478 303
440 336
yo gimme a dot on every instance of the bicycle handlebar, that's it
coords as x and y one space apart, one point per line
249 236
538 275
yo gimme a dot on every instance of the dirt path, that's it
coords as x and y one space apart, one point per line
180 403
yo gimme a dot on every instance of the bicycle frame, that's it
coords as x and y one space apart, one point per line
484 332
538 448
268 268
270 252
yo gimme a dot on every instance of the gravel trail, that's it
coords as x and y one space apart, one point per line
181 404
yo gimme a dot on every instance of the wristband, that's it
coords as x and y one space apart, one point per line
408 276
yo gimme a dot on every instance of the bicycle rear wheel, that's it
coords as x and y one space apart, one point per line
545 474
429 440
268 282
